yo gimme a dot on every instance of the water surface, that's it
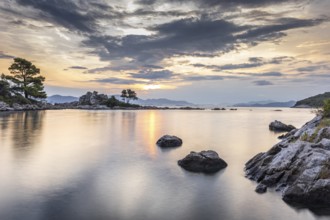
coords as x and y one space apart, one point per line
77 164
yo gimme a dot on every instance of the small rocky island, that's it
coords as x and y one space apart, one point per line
298 166
204 161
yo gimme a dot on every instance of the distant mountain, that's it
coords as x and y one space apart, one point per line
162 103
259 102
266 104
144 102
313 102
61 99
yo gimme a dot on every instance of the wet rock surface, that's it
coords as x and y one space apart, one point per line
204 161
279 126
168 141
298 166
261 188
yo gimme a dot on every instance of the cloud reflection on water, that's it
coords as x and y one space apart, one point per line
106 165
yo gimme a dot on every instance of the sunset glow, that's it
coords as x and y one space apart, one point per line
239 51
150 87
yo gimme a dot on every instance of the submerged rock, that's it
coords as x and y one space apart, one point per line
279 126
298 166
169 141
204 161
217 109
261 188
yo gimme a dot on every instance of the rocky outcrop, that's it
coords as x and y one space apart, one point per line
279 126
169 141
3 106
286 135
19 107
24 107
261 188
92 98
204 161
298 166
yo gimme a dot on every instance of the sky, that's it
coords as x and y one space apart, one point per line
201 51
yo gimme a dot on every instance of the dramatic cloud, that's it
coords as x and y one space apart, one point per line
276 30
78 16
253 62
122 66
153 13
191 36
171 43
195 34
148 74
185 35
115 80
83 16
224 3
238 66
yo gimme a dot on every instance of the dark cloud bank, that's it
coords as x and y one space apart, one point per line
191 36
195 33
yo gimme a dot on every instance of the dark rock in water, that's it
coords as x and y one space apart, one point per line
169 141
279 126
261 188
281 136
315 194
298 166
204 161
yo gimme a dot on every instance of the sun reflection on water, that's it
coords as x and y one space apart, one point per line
106 165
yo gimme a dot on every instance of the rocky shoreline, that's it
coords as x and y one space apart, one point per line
89 101
298 166
47 106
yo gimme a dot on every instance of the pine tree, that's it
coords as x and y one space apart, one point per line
124 95
26 79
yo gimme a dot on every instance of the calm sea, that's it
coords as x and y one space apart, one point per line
77 164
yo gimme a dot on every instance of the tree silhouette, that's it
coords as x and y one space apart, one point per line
124 95
128 94
131 95
26 79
